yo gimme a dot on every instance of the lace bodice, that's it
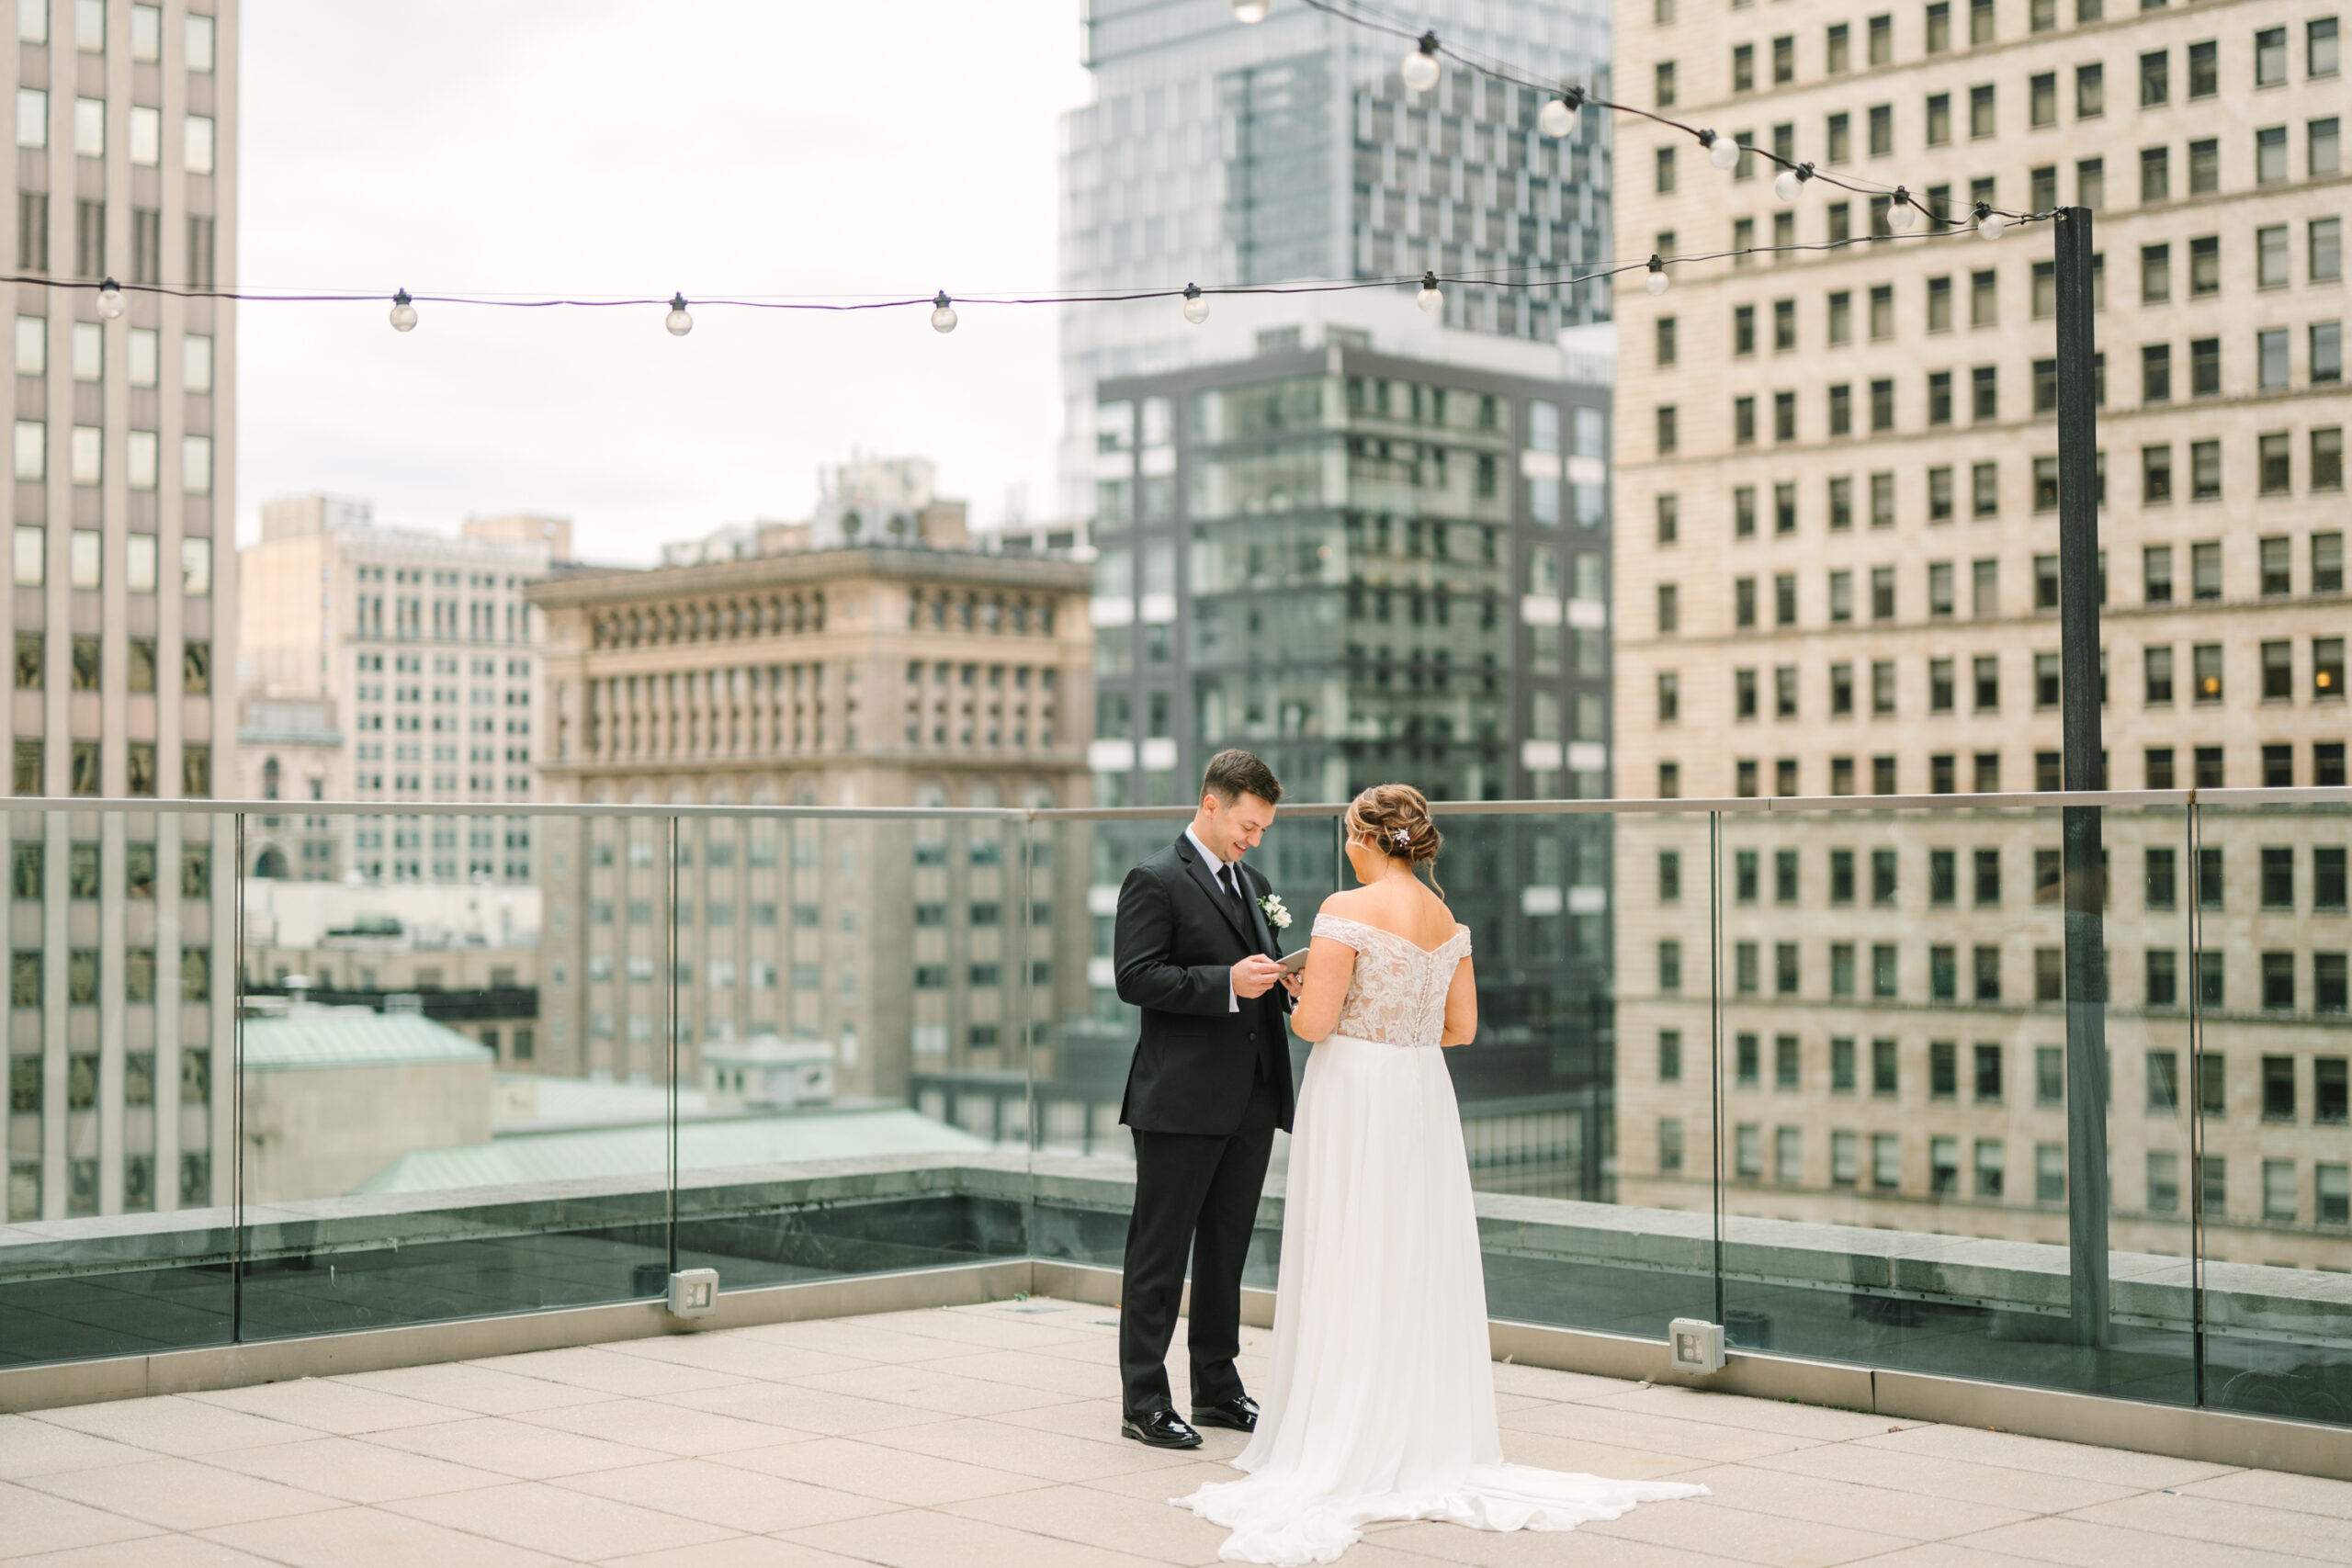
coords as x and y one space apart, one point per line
1397 995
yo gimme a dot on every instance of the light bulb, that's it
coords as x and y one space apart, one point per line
110 300
677 320
1900 214
1421 66
1196 304
1558 117
1432 299
1722 151
943 314
1989 223
1655 281
403 313
1248 12
1792 181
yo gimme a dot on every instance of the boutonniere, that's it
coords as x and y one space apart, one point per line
1276 915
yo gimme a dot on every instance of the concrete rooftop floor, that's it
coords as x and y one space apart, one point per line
988 1435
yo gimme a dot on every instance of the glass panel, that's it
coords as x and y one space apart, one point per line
455 1088
1578 1089
2270 1005
119 1126
1895 1077
855 1011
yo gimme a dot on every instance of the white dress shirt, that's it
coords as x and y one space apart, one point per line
1219 867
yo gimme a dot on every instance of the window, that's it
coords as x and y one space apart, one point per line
1979 112
1667 441
2327 668
2327 465
2270 155
2327 353
2277 1089
2270 57
2323 147
2042 100
2326 237
1984 393
2271 265
2320 46
2205 266
1939 397
2204 70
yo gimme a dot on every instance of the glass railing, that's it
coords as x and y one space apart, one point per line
2037 1089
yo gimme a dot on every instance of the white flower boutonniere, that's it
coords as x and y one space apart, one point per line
1276 915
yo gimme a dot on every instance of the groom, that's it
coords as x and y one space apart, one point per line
1209 1084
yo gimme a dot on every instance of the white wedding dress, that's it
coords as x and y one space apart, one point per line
1381 1403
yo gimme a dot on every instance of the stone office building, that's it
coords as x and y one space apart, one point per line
122 617
869 657
1839 576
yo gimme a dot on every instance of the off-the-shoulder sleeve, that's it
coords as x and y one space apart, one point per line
1341 930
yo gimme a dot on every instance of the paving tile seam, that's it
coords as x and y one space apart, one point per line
2074 1513
2190 1541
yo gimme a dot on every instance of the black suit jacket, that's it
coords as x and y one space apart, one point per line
1178 940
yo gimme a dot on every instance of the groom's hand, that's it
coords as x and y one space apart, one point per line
1255 976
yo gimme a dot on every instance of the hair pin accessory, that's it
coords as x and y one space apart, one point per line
1403 835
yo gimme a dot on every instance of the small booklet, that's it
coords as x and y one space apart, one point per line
1292 962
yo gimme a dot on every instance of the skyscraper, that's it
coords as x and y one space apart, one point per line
1219 153
1838 575
123 617
1367 568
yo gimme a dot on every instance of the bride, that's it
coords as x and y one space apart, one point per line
1382 1405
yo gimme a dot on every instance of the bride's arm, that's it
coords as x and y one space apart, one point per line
1461 1006
1330 966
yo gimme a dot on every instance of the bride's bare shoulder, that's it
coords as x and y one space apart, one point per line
1350 901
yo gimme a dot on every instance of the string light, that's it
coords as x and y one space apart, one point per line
1422 69
1557 117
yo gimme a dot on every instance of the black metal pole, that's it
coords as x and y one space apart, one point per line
2085 769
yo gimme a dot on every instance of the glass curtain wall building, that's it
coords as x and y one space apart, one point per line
1227 154
122 618
1365 568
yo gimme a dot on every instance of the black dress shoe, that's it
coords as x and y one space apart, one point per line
1160 1429
1240 1413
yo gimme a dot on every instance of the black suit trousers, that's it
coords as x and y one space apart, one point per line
1198 1190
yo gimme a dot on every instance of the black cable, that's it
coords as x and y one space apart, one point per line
1577 98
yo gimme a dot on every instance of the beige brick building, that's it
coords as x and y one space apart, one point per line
1836 575
872 659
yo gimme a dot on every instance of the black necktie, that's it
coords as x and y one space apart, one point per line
1233 887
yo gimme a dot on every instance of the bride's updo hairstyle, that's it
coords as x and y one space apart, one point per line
1395 817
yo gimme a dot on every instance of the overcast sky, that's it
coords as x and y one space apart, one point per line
546 147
